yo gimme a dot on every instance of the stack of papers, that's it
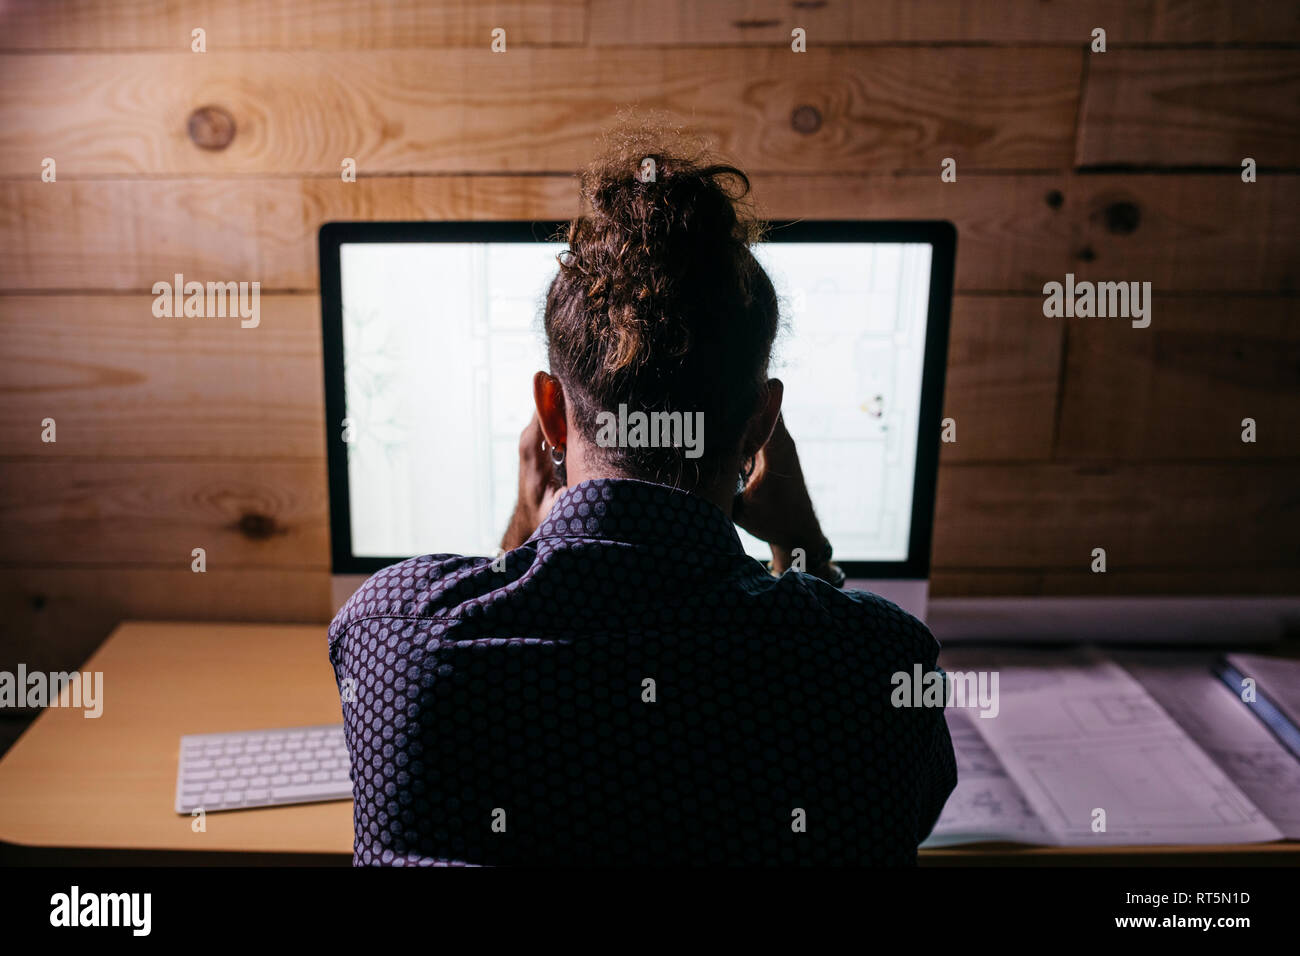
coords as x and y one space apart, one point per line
1086 752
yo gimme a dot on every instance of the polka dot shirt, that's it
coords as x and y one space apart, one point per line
629 687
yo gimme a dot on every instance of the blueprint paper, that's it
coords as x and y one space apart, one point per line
986 806
1087 736
1222 726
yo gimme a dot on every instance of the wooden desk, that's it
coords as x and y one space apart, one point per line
109 784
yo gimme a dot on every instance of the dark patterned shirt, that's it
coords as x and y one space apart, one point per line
632 688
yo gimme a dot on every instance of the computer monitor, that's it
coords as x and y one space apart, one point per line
433 330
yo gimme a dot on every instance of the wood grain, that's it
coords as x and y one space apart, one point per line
1181 388
1004 359
533 110
53 618
119 382
625 22
341 25
127 235
245 514
1191 108
1197 232
286 24
1191 582
1192 516
437 198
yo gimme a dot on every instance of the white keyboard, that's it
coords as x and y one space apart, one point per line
262 768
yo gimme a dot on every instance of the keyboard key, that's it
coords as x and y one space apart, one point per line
311 791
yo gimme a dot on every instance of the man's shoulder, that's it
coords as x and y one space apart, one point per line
424 586
864 615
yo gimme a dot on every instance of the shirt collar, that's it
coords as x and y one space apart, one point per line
639 512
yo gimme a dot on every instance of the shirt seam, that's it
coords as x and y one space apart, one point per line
840 629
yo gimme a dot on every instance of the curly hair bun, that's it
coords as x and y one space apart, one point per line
659 303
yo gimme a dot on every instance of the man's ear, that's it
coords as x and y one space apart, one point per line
764 418
548 396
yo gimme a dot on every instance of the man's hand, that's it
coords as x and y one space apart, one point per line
776 507
538 488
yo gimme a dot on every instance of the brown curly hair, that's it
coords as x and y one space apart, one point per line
659 303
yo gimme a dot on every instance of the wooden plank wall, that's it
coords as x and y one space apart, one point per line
1072 433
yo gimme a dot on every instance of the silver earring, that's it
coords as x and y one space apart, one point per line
742 479
557 457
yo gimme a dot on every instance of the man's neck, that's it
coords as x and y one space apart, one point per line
720 493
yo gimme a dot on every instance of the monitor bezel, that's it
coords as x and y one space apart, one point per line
940 235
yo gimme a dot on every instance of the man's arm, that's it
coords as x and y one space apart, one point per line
522 524
538 487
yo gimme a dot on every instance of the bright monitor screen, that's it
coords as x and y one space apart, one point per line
440 341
